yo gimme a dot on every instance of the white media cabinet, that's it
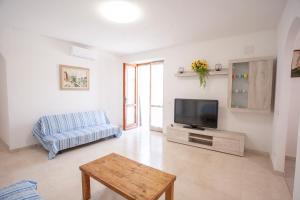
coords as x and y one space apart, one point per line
217 140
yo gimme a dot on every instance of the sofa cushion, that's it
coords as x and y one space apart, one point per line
57 142
20 191
54 124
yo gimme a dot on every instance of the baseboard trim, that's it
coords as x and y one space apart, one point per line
278 173
266 154
24 148
4 144
290 158
19 148
258 152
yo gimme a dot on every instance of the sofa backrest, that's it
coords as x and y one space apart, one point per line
53 124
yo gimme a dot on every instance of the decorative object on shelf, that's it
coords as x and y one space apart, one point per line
239 91
74 78
240 76
201 67
218 67
295 72
180 70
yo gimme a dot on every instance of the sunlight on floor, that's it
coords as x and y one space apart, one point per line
200 173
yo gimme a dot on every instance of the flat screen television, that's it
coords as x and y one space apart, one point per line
196 113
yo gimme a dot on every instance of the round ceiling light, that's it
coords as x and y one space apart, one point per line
120 11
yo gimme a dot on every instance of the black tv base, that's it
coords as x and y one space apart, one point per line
194 127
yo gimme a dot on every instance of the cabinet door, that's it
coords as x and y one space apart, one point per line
174 134
227 145
260 85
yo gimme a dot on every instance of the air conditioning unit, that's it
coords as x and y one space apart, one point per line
83 53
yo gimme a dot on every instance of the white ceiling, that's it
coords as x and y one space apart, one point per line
164 22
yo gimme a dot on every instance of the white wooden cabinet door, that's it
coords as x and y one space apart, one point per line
227 145
260 85
177 135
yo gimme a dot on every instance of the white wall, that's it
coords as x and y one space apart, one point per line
4 122
296 192
294 111
257 126
111 83
288 28
32 64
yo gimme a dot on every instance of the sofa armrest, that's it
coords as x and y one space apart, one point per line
106 118
25 189
37 129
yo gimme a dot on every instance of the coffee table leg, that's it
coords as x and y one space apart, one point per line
170 192
86 189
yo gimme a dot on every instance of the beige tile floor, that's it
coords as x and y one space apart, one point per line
201 174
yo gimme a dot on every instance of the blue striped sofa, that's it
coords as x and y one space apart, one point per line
59 132
23 190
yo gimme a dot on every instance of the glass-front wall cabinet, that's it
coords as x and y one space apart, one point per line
251 84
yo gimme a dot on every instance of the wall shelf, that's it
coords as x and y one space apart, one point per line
211 72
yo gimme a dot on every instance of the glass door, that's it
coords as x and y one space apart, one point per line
129 96
143 71
156 96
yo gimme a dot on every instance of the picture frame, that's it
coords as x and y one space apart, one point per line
74 78
295 66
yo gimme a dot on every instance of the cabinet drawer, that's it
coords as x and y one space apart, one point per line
227 145
178 135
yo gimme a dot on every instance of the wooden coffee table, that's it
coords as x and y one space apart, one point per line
129 178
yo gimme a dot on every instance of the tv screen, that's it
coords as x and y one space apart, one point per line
196 112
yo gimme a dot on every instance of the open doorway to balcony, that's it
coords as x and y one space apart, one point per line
143 96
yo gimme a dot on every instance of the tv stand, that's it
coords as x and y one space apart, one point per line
194 127
212 139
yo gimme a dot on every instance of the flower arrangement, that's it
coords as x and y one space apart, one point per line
201 67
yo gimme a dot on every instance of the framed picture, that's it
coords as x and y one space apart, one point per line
74 78
295 72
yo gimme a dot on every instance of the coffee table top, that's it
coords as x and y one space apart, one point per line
129 178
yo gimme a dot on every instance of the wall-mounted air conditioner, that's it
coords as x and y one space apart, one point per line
83 53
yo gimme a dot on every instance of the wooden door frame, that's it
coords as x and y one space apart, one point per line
136 94
134 125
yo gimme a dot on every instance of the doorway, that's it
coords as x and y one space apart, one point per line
143 96
286 120
293 116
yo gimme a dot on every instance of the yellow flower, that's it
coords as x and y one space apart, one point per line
199 65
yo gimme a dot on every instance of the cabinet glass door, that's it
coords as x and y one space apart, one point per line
240 85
